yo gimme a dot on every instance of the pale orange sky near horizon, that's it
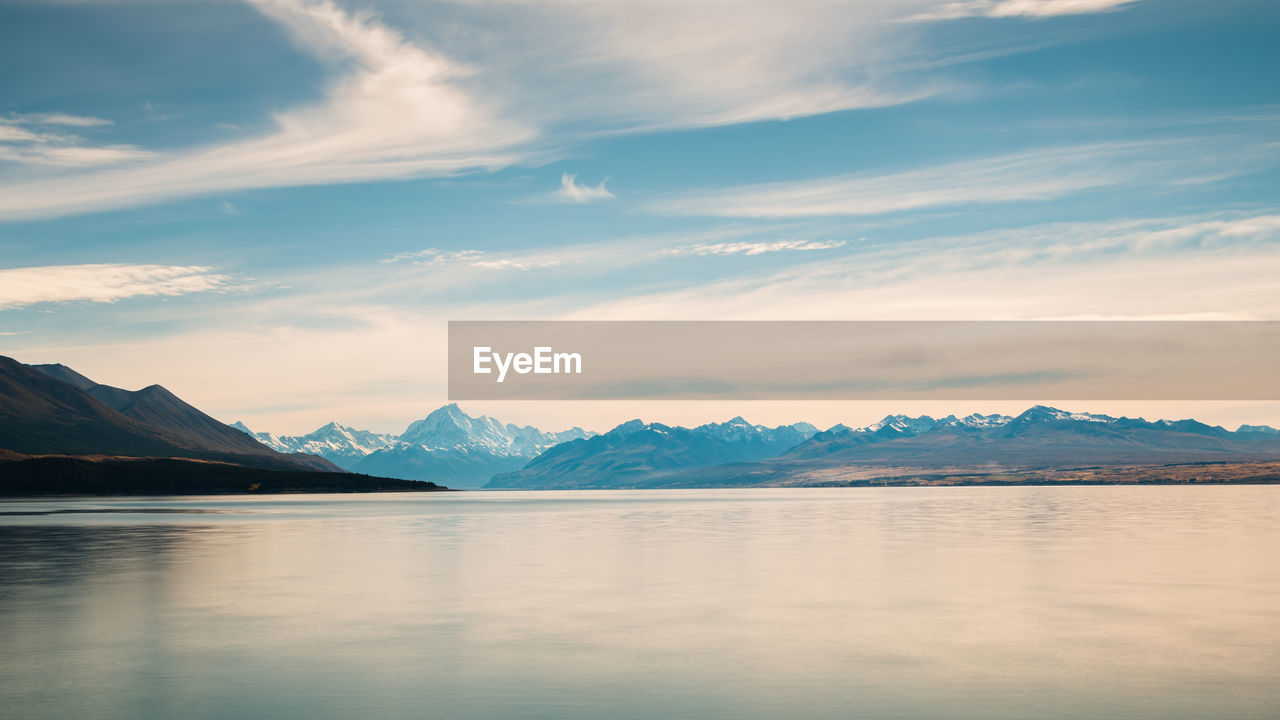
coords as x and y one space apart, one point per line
601 415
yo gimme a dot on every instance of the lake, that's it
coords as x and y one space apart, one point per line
983 602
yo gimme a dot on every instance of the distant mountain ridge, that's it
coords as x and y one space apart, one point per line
1041 438
341 445
636 452
448 446
1265 429
51 410
453 448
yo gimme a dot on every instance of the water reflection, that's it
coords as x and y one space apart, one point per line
916 602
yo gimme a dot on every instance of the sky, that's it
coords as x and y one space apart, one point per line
273 207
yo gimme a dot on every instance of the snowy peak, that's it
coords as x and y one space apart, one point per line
341 437
451 429
1263 429
634 450
1044 413
632 427
904 424
985 421
975 420
572 433
446 430
736 428
338 444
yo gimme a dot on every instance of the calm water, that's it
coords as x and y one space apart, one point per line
1156 602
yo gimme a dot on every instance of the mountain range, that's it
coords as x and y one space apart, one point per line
635 452
341 445
61 432
1040 442
447 446
60 429
52 409
454 448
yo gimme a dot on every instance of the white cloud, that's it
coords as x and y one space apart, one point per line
56 118
472 86
1179 267
1026 176
396 111
27 139
1019 8
752 248
16 134
61 155
434 256
513 263
284 359
570 191
472 258
103 282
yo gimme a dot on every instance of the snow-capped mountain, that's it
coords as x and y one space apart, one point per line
739 430
341 445
448 447
1041 438
904 423
977 421
458 450
1263 429
449 428
636 452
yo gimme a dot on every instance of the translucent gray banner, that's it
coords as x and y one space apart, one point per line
1021 360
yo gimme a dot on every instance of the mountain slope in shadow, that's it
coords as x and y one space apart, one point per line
53 410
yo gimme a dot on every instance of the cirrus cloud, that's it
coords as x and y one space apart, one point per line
753 248
395 110
36 139
503 83
1019 8
103 282
472 258
1031 175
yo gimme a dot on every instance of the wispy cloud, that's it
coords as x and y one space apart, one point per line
297 347
37 139
397 111
1221 266
752 248
103 282
56 118
572 192
451 100
1042 174
1019 8
472 258
59 152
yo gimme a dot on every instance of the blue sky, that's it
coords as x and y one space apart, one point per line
273 206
